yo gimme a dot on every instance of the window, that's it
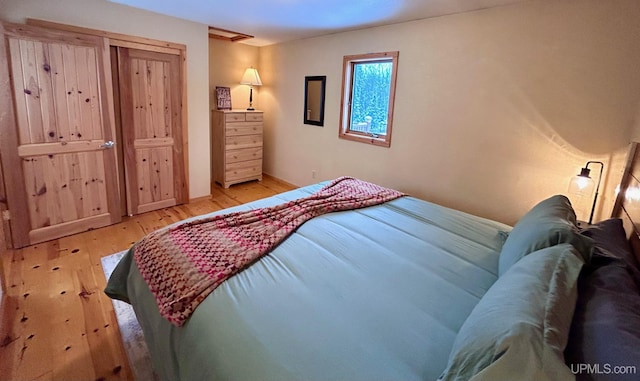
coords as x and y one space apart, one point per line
368 91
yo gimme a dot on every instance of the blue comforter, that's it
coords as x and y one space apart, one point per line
372 294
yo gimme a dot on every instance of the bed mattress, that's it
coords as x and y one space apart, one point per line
374 293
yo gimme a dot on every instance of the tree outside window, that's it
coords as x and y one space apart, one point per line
368 96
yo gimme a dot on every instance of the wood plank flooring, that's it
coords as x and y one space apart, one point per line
55 321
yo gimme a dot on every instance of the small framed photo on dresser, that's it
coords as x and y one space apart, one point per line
223 96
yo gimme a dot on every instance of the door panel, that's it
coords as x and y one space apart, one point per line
64 187
150 91
66 180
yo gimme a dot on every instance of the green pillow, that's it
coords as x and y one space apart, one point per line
549 223
519 329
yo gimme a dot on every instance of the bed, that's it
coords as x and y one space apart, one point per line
403 290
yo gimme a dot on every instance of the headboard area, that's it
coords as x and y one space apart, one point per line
627 204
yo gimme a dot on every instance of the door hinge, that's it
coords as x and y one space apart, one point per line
6 215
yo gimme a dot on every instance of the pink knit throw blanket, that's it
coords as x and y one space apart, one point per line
184 263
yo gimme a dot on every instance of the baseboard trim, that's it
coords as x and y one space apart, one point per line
278 180
271 178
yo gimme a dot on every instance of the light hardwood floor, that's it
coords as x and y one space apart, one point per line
55 322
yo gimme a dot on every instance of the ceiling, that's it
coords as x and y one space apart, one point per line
274 21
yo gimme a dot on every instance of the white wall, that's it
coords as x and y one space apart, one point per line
227 63
104 15
494 109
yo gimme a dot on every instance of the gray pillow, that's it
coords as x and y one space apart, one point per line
549 223
519 329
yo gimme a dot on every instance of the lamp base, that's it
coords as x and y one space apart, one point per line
250 108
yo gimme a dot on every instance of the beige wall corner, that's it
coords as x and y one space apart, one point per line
495 109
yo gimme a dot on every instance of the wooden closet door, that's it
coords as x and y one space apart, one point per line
151 113
57 133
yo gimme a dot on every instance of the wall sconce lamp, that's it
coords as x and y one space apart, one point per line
251 78
582 185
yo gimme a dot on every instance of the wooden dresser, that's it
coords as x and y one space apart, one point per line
236 146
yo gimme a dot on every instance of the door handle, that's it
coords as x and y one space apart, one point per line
108 144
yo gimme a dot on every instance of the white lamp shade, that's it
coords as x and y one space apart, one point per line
581 185
251 77
581 195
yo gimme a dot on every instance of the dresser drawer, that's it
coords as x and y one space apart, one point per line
254 117
236 155
243 128
244 169
243 141
234 117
